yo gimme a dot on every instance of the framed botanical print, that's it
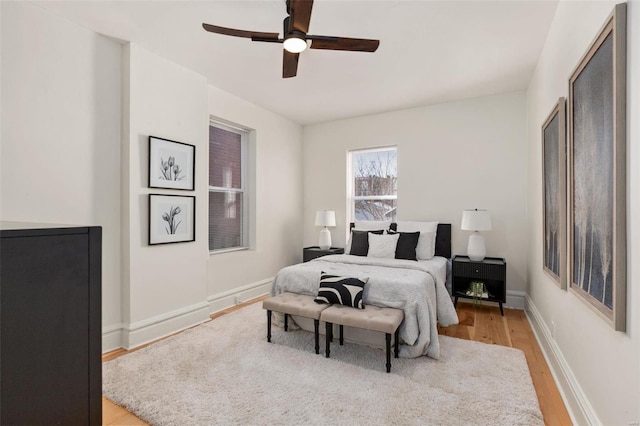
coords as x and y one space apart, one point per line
171 164
597 173
172 219
554 198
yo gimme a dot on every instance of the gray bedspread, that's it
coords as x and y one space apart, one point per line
418 288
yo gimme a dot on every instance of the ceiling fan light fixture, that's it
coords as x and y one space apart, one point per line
294 43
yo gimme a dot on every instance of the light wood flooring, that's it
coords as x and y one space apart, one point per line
480 323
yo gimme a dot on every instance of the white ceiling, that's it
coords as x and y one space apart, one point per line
430 51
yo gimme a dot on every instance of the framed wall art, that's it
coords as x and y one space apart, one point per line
554 194
172 219
171 164
597 173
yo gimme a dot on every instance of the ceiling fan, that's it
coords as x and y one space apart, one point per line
295 37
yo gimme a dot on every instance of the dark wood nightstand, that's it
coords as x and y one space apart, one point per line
492 271
309 253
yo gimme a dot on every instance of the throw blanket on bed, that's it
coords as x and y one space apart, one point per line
400 284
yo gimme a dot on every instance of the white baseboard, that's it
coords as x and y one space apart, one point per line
578 406
122 336
112 337
516 299
229 298
150 329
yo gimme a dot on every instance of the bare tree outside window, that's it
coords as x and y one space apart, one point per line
375 184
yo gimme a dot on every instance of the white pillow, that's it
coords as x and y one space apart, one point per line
383 245
426 247
369 225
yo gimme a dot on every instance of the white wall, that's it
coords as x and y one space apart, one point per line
278 203
75 150
451 157
173 286
597 367
164 286
61 131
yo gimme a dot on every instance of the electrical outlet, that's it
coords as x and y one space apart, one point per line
553 329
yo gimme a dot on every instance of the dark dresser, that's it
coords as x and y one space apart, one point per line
50 325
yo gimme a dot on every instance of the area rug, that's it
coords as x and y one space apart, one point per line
225 372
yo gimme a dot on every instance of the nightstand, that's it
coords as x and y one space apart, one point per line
492 271
309 253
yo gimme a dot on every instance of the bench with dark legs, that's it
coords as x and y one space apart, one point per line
294 304
385 320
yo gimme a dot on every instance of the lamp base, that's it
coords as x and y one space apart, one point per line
325 239
476 249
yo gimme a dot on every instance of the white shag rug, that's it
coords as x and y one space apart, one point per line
225 372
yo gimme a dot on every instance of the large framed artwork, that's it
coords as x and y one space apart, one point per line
172 219
597 173
554 198
171 164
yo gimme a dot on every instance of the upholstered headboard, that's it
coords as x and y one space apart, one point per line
443 238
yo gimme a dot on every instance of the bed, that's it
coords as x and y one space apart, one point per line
416 287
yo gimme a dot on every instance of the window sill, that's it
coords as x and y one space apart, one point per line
229 250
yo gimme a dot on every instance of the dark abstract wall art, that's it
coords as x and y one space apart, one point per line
597 171
554 198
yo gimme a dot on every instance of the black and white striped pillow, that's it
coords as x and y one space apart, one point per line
341 290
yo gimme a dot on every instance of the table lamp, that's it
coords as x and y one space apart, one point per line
476 220
325 218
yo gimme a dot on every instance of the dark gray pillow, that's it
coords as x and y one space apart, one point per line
360 241
407 243
335 289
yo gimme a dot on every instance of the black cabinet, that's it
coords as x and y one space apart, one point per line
309 253
492 271
50 325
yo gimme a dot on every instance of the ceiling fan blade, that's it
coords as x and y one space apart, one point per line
267 40
300 12
240 33
343 43
289 64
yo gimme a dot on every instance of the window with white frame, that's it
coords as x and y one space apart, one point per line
228 202
373 184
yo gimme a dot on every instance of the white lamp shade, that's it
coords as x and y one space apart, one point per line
476 220
325 218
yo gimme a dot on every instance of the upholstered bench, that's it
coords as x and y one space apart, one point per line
294 304
385 320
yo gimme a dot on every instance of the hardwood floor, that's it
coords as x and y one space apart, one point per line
480 323
485 324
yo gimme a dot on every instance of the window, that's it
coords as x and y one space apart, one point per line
373 187
228 216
